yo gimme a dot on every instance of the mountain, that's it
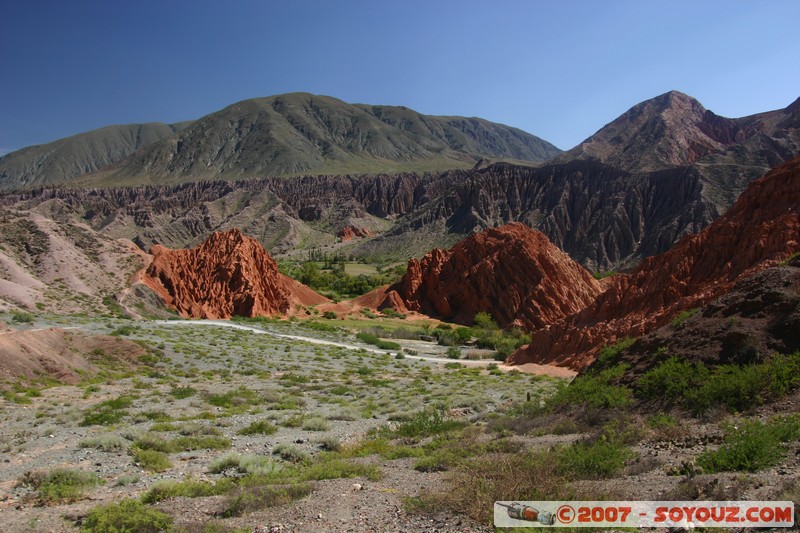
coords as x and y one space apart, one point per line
68 158
675 130
229 274
759 231
285 135
512 272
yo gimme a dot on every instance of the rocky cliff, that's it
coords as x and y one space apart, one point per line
229 274
512 272
761 229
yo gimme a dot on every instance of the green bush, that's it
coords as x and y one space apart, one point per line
752 446
182 392
259 427
672 381
595 390
291 453
683 316
108 412
59 485
608 356
127 516
187 488
152 460
738 388
246 464
369 338
427 423
252 496
329 315
107 443
21 317
454 352
600 458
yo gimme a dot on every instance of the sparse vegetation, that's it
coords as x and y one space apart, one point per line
129 515
59 485
751 445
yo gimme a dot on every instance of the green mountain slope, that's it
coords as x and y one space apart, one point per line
285 135
80 154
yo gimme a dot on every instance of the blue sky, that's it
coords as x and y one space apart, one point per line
559 69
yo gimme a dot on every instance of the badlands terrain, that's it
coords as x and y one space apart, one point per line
297 314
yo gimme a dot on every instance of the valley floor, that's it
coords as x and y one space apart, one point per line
302 429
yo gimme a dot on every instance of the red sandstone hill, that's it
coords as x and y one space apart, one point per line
759 231
229 274
513 272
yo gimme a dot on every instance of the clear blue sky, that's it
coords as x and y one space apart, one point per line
559 69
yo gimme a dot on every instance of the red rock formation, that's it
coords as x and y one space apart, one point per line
760 230
348 233
229 274
513 272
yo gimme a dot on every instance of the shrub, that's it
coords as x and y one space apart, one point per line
751 447
595 390
672 381
259 427
738 388
182 392
21 317
427 423
454 352
683 316
152 460
316 424
600 458
107 443
338 468
59 485
126 516
252 496
608 356
246 464
108 412
290 453
187 488
329 315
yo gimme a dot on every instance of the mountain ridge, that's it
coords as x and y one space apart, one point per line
296 134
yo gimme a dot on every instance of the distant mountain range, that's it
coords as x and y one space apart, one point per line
664 169
285 135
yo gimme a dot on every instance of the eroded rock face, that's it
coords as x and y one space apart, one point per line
512 272
348 233
761 229
229 274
